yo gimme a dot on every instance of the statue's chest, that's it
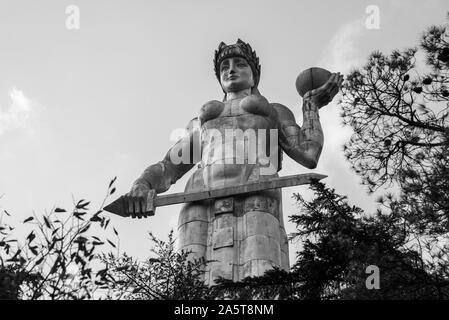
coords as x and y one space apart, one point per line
232 108
248 106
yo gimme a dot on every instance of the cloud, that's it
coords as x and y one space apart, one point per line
342 53
18 112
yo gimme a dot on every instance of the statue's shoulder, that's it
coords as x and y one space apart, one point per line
283 112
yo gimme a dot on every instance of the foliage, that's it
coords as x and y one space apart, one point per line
399 117
61 259
58 258
273 284
341 241
169 275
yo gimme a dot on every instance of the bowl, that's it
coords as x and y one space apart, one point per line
310 79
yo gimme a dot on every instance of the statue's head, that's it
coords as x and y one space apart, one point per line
237 66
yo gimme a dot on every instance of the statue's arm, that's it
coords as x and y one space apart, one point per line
179 160
302 144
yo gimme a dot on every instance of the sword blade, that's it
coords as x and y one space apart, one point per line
281 182
118 206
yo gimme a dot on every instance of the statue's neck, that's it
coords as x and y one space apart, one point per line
238 94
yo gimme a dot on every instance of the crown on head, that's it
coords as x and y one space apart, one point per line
239 49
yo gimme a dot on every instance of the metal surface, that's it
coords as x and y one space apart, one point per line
153 201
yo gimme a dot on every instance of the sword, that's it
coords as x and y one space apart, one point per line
119 206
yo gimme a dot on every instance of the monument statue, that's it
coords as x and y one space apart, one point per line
235 141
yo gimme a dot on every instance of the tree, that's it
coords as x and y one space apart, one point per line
339 244
43 268
399 117
168 275
57 259
61 259
401 128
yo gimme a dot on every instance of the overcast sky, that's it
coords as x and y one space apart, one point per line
78 107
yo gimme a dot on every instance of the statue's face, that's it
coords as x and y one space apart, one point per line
236 75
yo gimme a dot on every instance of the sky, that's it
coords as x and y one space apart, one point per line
79 106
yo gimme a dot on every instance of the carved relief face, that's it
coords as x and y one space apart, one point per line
236 74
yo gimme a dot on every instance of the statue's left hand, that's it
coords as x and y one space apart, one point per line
323 95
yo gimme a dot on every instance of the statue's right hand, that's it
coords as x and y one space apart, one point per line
136 201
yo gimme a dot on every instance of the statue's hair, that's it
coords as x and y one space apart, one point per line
239 49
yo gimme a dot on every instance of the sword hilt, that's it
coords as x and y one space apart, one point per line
150 207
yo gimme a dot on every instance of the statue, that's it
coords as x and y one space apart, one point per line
241 235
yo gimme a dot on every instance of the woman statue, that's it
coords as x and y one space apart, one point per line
241 235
